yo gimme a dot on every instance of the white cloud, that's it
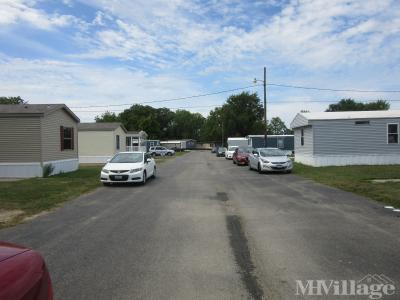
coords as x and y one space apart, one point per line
15 11
45 81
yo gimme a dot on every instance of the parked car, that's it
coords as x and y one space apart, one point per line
270 159
241 155
229 152
129 167
159 150
23 274
220 151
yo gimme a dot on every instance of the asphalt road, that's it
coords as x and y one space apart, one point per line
207 229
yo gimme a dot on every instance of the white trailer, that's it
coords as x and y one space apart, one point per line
238 141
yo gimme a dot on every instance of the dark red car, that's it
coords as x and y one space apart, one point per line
241 156
23 274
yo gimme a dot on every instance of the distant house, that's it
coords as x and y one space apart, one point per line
347 138
284 142
100 141
152 143
33 136
179 145
136 141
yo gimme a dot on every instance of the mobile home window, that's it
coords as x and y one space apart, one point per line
393 133
302 137
66 138
117 142
361 122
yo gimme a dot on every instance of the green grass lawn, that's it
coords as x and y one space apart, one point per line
35 195
357 179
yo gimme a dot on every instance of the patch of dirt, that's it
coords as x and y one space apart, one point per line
7 216
384 180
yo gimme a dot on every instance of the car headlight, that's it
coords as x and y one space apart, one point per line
265 161
289 161
135 170
105 171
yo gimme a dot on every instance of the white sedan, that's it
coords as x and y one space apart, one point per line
229 152
128 167
270 159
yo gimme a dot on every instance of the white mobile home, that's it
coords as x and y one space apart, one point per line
347 138
33 136
100 141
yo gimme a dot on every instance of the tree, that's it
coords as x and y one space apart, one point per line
107 117
351 105
277 126
241 115
187 125
12 100
140 117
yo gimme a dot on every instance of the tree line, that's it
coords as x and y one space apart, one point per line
241 115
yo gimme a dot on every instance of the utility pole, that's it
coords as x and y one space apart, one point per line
265 106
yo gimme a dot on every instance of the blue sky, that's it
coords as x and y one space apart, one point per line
99 52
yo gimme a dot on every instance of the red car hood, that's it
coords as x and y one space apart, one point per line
8 250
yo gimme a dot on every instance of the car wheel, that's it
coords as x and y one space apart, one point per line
144 178
259 168
154 172
233 161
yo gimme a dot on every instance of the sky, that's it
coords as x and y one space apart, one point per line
92 53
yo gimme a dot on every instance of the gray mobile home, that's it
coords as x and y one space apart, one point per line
347 138
284 142
33 136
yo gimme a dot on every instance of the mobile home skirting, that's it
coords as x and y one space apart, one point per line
347 160
35 169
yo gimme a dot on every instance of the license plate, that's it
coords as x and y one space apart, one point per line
279 167
118 177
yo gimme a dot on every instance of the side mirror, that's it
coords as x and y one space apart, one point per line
108 160
255 154
148 160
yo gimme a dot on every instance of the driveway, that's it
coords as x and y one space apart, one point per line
207 229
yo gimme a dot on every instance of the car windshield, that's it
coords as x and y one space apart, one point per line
127 158
244 150
272 152
221 149
232 148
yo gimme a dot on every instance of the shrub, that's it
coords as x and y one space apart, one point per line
47 170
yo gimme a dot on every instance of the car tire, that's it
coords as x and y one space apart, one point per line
233 161
289 171
259 168
154 172
144 178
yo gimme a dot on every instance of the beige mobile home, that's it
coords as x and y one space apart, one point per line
35 135
100 141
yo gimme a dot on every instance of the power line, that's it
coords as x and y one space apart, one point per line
121 110
205 106
173 99
331 89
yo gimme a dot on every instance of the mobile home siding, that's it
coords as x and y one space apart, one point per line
20 139
96 143
51 143
122 140
343 137
307 148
